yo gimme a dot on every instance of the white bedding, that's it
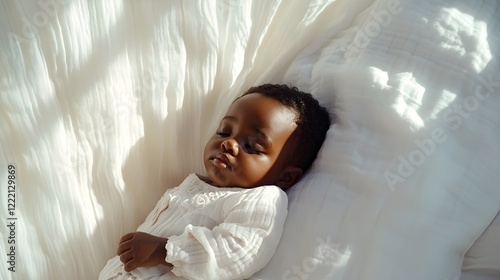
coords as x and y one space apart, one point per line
104 104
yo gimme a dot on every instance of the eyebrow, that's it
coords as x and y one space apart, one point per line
230 118
263 137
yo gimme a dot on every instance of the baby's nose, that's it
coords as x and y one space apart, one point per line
231 146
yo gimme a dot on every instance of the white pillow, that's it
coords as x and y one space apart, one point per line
408 179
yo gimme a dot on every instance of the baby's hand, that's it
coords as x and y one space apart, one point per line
140 249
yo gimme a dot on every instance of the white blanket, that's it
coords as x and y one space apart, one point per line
105 104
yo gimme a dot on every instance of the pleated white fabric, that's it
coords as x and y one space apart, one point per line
106 104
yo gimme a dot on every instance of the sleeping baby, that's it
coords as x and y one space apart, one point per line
227 225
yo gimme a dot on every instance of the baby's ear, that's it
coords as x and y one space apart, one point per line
289 177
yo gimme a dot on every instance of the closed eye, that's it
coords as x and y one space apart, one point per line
253 150
222 134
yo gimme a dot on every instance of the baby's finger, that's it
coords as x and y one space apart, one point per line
124 247
127 237
130 265
126 257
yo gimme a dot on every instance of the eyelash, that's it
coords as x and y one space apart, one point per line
251 150
222 134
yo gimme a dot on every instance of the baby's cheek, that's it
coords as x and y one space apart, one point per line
253 171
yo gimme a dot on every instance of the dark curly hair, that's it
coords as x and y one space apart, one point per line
313 120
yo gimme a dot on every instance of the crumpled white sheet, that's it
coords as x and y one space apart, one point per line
104 104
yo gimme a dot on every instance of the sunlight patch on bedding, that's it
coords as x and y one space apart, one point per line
332 254
463 35
409 101
89 210
83 38
77 19
444 102
327 255
73 163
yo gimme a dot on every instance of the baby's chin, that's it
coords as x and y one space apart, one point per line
218 178
227 178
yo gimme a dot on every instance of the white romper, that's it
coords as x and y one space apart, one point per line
213 233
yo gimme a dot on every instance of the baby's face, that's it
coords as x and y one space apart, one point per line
253 143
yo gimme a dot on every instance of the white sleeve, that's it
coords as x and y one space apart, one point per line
237 248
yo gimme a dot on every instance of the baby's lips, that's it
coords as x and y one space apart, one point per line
222 161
